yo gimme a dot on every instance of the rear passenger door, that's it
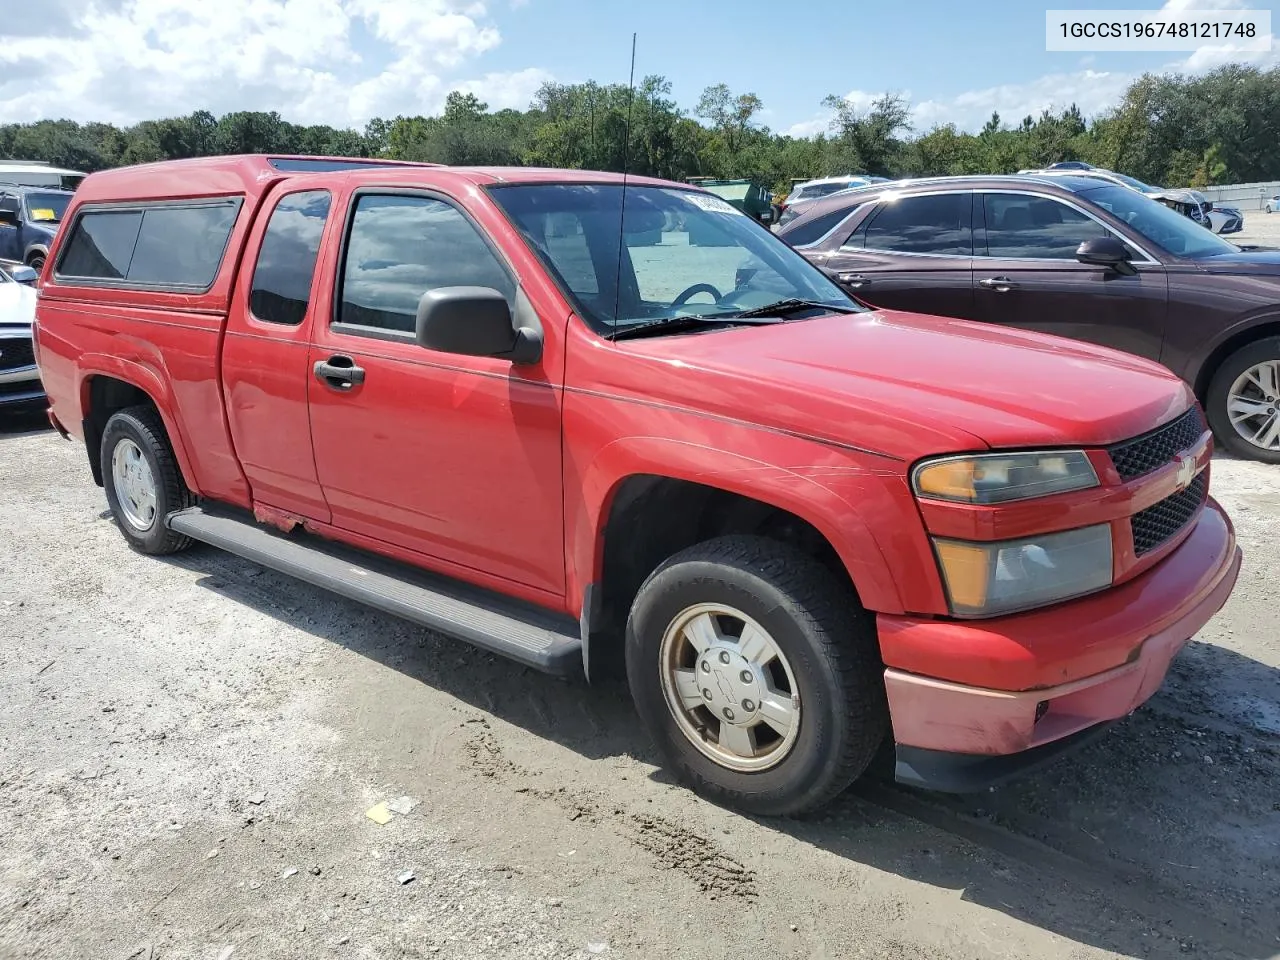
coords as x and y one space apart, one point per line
265 371
451 457
911 253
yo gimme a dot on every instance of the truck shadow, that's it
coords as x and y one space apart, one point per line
23 422
1160 839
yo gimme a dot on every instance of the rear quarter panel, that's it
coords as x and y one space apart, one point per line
165 343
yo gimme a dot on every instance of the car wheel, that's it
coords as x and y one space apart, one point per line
142 480
757 674
1243 402
36 262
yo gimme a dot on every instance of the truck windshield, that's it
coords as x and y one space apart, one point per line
47 207
1179 235
676 253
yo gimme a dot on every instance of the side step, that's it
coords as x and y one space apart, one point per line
523 632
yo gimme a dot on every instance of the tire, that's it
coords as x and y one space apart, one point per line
1219 394
828 650
36 262
138 435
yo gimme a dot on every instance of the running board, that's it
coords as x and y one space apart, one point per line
523 632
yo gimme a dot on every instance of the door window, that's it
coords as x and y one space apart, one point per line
287 259
938 224
1025 227
400 247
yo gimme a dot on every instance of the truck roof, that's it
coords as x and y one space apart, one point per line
252 174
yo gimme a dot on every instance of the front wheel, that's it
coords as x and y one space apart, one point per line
142 480
757 674
1243 401
36 262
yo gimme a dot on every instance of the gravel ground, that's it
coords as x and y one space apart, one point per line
1260 228
188 748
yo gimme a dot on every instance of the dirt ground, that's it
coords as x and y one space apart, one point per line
1260 228
188 749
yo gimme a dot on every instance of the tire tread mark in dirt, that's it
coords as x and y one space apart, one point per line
698 858
1156 902
673 846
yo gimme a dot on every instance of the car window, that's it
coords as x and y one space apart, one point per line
817 228
101 245
400 247
47 207
164 246
181 246
936 224
1023 226
287 259
682 252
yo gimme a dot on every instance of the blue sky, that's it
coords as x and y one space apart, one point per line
344 61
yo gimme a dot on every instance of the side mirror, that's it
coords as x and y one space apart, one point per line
1106 252
474 322
24 274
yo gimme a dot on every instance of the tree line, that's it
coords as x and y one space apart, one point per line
1171 130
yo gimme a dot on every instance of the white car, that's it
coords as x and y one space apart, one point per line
1209 215
1272 205
19 378
805 193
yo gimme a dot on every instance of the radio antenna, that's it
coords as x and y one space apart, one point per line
626 163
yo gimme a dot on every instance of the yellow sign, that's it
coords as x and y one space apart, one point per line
43 214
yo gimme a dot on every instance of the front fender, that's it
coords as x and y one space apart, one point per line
851 499
91 365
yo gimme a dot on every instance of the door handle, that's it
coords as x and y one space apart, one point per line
339 372
853 279
998 284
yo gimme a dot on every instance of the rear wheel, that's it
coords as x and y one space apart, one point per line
142 480
757 674
1243 401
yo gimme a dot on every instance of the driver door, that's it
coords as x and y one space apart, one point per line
453 457
1026 275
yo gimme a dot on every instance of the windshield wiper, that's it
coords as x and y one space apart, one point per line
688 321
791 305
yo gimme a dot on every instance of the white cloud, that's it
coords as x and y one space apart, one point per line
128 60
507 90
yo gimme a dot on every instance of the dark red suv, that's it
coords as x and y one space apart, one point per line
1073 257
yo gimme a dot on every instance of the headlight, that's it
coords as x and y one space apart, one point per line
998 477
986 579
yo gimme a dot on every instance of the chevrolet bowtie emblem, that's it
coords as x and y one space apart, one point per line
1186 471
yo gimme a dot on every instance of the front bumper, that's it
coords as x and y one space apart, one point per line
20 386
957 736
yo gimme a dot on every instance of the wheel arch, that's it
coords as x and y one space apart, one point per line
109 384
1259 328
645 514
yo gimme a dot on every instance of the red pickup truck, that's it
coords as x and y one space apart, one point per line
589 422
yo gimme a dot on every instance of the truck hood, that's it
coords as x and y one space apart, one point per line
908 385
17 304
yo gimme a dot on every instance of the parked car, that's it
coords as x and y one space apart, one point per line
804 526
1190 203
33 173
1072 256
1272 205
19 378
29 218
805 192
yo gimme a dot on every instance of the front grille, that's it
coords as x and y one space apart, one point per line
15 353
1153 450
1160 522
